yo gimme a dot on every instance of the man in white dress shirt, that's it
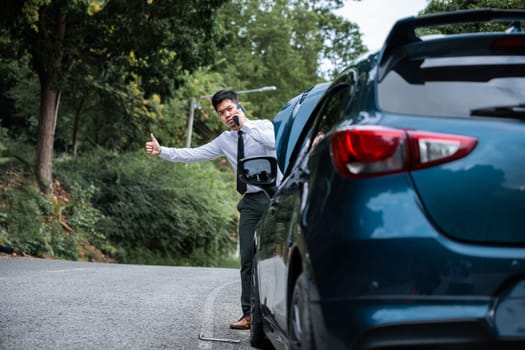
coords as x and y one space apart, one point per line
258 139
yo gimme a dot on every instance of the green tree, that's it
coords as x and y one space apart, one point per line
127 50
289 44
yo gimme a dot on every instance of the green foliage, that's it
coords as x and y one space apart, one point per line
172 127
4 238
125 53
30 222
287 44
124 69
3 134
23 222
129 207
83 219
131 67
24 119
157 211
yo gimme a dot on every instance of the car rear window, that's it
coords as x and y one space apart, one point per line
453 86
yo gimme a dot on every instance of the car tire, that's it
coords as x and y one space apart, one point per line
300 333
257 337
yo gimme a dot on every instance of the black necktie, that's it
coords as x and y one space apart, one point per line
241 185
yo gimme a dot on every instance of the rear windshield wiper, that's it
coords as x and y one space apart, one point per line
511 111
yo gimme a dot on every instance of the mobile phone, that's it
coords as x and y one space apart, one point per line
236 117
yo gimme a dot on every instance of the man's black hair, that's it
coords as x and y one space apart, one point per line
222 95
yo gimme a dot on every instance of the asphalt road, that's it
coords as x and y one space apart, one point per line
48 304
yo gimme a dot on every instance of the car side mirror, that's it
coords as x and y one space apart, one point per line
259 171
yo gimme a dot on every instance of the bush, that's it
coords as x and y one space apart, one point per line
23 221
31 222
152 211
128 207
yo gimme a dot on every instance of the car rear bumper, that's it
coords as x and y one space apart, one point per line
418 323
454 334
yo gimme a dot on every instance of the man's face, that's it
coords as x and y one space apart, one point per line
226 110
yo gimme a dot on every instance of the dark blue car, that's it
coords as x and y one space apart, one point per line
400 221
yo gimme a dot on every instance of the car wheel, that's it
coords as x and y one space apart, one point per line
257 337
300 334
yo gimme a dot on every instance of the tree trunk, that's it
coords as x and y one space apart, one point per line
47 68
76 125
49 100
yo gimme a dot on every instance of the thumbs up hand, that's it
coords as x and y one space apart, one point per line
153 146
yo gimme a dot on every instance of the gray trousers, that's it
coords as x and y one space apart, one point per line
251 208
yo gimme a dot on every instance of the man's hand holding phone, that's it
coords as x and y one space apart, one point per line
239 117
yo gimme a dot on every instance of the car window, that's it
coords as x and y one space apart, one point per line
330 112
468 83
297 122
283 122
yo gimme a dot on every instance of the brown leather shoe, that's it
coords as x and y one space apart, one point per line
243 323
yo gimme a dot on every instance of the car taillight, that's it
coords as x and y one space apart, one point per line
368 150
429 149
363 151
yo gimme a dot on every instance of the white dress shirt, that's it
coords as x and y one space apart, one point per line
259 140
